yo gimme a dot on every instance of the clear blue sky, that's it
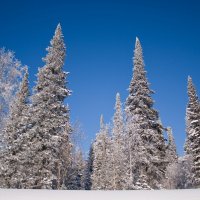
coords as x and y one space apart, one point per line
100 37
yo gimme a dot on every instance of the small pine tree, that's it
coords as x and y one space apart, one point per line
171 173
119 178
102 165
171 152
89 169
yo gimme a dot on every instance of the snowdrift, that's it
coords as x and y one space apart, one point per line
7 194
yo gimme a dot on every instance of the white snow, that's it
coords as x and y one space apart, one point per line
8 194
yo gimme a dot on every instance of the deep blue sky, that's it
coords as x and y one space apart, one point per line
100 37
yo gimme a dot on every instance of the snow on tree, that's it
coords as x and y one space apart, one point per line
89 170
48 145
171 154
137 156
141 183
102 165
12 156
192 115
181 174
140 104
11 71
74 179
192 145
118 152
75 174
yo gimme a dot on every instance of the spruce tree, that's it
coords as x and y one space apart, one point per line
89 169
138 157
119 159
13 155
171 152
48 149
172 169
102 165
140 105
192 145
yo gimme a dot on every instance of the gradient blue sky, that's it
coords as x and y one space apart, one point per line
100 37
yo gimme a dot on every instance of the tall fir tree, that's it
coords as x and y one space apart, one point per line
13 155
192 145
140 105
48 149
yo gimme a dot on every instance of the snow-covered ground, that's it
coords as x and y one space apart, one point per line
103 195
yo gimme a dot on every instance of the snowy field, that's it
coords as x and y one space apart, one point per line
103 195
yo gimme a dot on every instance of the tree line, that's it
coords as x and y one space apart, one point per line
37 147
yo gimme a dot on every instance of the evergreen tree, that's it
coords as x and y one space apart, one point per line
192 145
48 145
75 174
12 158
89 169
102 165
140 105
171 152
172 172
185 178
119 159
11 73
138 157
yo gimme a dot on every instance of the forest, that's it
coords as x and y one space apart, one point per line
37 145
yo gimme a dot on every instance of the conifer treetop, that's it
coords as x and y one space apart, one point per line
139 91
56 50
118 101
118 117
138 55
101 122
24 90
171 150
192 94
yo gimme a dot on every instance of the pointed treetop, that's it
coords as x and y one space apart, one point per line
190 82
101 122
171 149
192 94
137 42
138 54
24 88
58 29
118 100
170 134
58 32
57 50
59 25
